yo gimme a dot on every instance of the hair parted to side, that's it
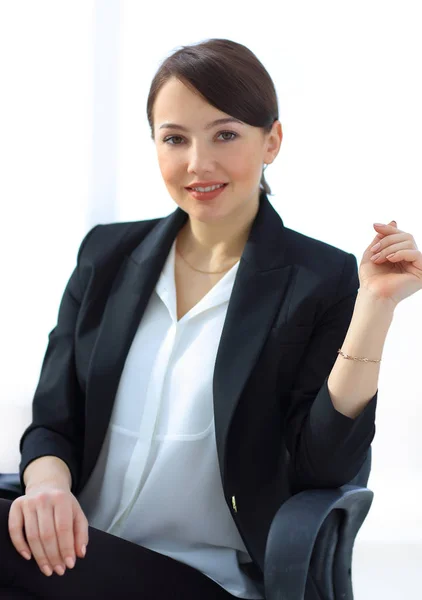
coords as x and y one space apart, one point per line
229 76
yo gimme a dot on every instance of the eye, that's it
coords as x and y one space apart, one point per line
228 133
172 137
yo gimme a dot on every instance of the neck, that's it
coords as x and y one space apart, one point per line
214 245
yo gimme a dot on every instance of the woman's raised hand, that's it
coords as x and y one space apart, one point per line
54 525
391 266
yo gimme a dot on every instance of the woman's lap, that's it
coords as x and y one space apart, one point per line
111 568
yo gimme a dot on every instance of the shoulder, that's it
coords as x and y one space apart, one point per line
331 270
104 248
109 239
310 251
306 253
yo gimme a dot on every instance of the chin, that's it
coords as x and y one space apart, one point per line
206 214
202 210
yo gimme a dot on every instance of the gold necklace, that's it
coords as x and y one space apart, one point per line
199 270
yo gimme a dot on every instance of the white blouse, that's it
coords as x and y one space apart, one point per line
157 481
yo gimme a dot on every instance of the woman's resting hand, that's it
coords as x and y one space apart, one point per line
54 524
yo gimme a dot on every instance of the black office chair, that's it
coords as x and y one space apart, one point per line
310 542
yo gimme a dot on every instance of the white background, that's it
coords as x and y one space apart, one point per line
75 150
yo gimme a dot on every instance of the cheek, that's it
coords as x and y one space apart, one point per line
243 163
169 167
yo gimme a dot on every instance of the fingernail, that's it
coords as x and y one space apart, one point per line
70 563
47 570
26 555
380 224
83 550
59 570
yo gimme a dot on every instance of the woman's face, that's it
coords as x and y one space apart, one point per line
195 149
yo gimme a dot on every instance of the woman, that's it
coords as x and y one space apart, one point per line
194 379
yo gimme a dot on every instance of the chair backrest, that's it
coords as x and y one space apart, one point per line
10 486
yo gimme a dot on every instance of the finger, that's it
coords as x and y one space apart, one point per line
407 255
80 529
63 521
16 524
368 250
391 240
48 535
385 227
391 249
33 536
384 232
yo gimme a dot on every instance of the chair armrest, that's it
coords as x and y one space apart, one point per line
10 486
310 544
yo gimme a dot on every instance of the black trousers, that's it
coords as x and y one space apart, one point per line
112 568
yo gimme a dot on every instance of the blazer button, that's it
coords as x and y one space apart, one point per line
234 504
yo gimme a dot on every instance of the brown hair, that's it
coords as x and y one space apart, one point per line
229 76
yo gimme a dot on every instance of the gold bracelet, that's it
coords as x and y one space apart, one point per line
339 351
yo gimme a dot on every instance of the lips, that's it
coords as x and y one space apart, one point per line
205 185
204 196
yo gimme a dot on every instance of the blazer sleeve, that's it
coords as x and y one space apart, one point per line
327 448
57 426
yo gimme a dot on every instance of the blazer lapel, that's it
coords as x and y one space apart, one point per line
126 304
258 292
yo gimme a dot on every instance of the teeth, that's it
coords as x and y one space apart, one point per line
208 189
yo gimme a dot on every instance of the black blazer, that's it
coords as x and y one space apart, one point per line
277 431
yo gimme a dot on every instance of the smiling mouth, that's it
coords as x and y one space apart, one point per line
210 188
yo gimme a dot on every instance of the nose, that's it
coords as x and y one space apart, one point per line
200 159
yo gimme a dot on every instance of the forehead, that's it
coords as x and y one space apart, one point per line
177 103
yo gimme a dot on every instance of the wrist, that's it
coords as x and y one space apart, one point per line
372 302
52 482
369 326
47 470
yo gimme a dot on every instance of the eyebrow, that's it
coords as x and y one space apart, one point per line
209 126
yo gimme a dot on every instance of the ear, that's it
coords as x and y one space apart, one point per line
273 142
